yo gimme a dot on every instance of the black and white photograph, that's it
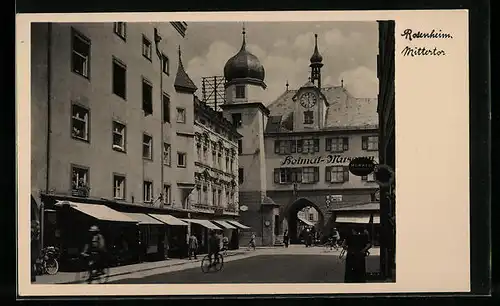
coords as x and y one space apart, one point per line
223 152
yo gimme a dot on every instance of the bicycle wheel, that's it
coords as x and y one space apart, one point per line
205 264
219 263
51 266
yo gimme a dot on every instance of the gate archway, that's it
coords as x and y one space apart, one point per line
290 215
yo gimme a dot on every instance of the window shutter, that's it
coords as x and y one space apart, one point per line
346 174
345 141
316 145
328 144
364 143
299 145
298 173
293 146
316 174
328 174
277 146
276 175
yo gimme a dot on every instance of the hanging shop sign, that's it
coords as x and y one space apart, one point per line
361 166
383 175
329 159
243 208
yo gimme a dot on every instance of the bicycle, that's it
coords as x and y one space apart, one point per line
251 246
93 272
217 263
330 245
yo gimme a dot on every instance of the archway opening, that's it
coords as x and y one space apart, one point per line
302 215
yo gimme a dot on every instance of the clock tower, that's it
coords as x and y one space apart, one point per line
310 108
316 64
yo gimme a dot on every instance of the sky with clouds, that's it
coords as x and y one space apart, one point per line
349 51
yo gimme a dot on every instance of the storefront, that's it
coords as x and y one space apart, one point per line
74 220
201 228
359 217
228 231
149 242
235 241
175 231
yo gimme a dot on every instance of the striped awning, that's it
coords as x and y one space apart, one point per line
143 219
237 224
224 224
100 212
353 218
169 220
204 223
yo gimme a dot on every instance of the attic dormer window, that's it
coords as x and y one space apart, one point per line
240 91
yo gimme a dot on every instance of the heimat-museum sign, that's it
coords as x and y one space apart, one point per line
316 160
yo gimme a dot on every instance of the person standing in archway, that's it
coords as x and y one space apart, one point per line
286 238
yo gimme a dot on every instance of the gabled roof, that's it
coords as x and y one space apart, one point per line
350 112
183 82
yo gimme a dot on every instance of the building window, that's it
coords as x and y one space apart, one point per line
307 145
147 147
310 175
146 47
219 197
288 175
119 136
311 217
120 29
369 178
181 115
80 180
236 118
214 196
285 146
240 176
205 194
181 160
166 108
148 192
370 143
147 97
337 174
165 64
227 164
80 122
240 91
308 117
240 146
118 187
80 59
231 163
119 78
337 144
219 160
166 154
166 194
198 194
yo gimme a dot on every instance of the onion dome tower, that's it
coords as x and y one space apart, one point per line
316 64
244 75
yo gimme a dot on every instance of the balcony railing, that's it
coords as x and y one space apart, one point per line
204 207
81 191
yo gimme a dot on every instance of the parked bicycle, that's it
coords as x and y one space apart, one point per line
214 266
47 261
96 270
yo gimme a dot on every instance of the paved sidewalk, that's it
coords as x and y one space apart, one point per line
73 277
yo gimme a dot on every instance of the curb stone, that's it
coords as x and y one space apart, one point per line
147 269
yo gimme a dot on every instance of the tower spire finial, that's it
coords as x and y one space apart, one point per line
179 51
287 85
244 32
342 83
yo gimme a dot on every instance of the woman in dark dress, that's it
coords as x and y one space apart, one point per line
357 245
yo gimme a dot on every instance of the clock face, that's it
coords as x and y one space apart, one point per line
308 100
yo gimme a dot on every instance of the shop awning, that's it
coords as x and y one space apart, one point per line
307 222
204 223
143 219
100 212
224 224
376 219
169 220
237 224
358 218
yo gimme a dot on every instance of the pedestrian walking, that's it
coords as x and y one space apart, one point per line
286 238
193 246
35 247
357 245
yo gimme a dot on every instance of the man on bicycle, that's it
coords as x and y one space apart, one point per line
213 247
96 247
251 244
